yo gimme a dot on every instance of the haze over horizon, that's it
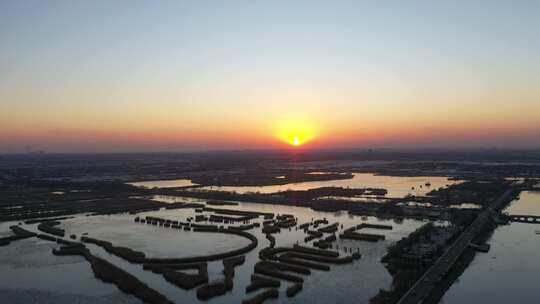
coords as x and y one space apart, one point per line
104 76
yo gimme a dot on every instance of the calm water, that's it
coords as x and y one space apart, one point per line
154 242
4 229
366 275
527 204
352 282
356 282
164 183
508 273
169 199
30 273
397 186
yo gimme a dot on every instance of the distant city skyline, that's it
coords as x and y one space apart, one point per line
110 76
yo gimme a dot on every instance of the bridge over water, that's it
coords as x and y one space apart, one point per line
424 286
529 219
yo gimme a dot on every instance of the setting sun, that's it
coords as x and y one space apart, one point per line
295 131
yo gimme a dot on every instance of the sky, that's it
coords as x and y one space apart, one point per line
115 76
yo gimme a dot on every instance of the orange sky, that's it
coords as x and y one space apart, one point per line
185 76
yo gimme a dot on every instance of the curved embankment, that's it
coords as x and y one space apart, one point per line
109 273
168 267
140 258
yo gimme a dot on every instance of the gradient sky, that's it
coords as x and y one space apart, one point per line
156 75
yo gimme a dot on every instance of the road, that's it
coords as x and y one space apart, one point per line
423 287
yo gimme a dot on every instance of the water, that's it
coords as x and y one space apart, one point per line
360 199
508 273
352 282
169 199
164 183
4 229
358 281
466 206
154 242
30 273
527 204
397 186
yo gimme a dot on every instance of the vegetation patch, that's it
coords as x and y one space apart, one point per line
362 236
306 264
214 289
19 234
269 229
184 280
318 258
109 273
230 263
126 253
269 270
263 296
49 227
285 267
258 282
294 290
221 203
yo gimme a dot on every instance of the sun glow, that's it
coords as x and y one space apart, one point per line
295 132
